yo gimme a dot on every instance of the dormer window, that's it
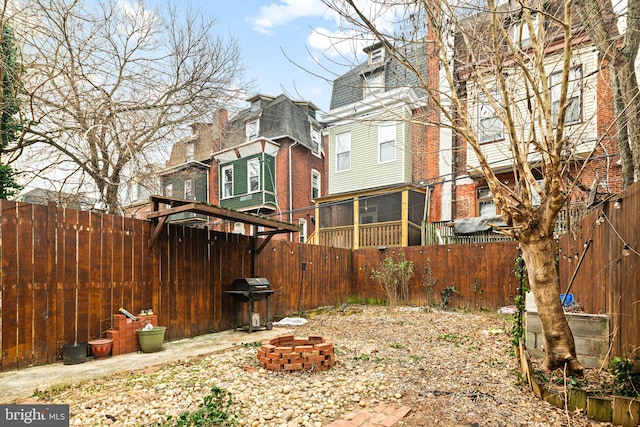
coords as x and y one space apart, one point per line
519 32
189 151
373 83
255 105
376 55
252 130
315 140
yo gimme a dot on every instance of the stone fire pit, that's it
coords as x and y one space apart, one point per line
288 353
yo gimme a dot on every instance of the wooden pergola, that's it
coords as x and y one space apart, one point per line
160 217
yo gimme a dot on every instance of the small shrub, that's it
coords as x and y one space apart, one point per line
626 375
212 412
446 294
394 276
428 282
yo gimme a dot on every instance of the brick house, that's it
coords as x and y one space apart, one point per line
589 130
270 162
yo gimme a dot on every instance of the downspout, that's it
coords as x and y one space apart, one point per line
291 188
454 166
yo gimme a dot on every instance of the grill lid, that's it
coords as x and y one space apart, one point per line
251 284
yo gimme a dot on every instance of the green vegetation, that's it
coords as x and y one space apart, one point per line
10 123
212 412
446 294
396 345
517 330
363 357
366 301
394 276
428 282
626 375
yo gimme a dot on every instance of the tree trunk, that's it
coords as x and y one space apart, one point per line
626 157
560 352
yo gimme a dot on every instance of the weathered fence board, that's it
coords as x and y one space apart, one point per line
607 281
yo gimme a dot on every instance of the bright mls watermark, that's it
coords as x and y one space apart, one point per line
34 415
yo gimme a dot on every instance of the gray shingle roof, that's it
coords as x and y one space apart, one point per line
348 88
279 116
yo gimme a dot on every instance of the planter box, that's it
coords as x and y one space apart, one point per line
590 332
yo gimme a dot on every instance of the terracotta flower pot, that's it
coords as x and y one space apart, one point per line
100 347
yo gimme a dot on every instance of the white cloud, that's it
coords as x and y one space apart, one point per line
285 12
337 44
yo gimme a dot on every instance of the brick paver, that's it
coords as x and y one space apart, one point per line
381 415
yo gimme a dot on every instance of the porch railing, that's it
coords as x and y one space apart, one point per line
441 233
380 234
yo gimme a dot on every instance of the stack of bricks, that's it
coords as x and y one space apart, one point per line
125 332
288 354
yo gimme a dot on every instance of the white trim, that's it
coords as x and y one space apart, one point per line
253 160
223 194
393 125
349 150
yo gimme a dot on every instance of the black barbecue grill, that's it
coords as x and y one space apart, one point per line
249 290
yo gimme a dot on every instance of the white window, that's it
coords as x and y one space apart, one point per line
315 140
303 230
376 56
490 127
168 190
373 83
536 198
386 142
484 198
519 32
253 172
343 152
315 184
188 189
189 151
252 130
574 96
227 181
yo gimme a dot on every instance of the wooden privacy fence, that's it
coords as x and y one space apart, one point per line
601 274
482 274
66 272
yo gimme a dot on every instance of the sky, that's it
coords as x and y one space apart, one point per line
279 41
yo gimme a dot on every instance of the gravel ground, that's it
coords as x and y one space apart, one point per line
451 368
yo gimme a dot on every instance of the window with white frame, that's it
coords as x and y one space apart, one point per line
519 32
168 190
376 55
386 142
484 200
303 230
190 149
315 140
343 151
253 172
536 198
490 127
252 130
574 96
373 84
227 181
315 184
189 194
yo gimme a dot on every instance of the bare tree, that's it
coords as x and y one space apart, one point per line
518 61
109 83
616 35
